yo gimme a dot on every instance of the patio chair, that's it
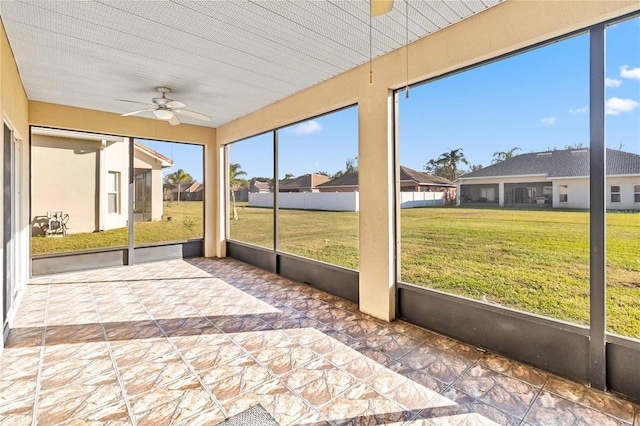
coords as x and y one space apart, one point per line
56 225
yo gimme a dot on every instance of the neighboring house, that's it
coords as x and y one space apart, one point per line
554 178
193 192
259 186
98 201
410 181
255 186
304 183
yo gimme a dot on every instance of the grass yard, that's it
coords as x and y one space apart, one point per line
186 223
533 260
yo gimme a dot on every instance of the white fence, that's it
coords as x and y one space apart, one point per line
339 201
409 200
334 201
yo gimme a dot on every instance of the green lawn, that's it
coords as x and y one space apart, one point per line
186 223
533 260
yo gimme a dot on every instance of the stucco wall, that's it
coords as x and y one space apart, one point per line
115 157
577 193
627 199
64 178
14 111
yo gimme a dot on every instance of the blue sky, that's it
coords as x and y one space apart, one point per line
185 156
537 100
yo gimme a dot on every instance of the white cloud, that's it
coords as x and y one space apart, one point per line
612 82
625 72
548 121
307 127
579 110
614 106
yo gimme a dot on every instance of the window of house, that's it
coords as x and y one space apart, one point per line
636 193
564 196
113 183
615 193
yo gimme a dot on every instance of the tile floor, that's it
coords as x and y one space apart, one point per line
194 342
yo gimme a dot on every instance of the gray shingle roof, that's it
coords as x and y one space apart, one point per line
406 174
559 163
347 180
307 181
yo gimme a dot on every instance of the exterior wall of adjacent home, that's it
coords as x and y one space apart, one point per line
70 175
142 160
577 193
115 159
627 193
64 177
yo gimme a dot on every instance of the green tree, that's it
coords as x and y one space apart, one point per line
289 176
499 156
236 183
177 179
446 165
577 146
351 166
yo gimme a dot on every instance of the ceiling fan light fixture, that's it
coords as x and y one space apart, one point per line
163 114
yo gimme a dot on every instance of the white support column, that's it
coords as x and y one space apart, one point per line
214 196
501 194
103 198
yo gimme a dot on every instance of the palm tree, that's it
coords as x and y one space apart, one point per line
177 179
235 183
447 164
503 155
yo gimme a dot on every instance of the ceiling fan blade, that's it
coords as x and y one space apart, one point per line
174 120
175 104
135 102
137 112
380 7
193 114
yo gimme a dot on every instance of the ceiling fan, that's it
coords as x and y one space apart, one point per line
380 7
165 109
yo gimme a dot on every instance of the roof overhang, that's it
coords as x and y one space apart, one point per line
68 134
461 179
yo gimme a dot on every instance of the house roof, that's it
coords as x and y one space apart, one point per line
195 187
260 184
347 180
421 178
406 175
302 182
559 163
165 161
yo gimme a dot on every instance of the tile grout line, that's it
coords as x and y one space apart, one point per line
177 350
125 397
271 373
358 381
34 420
533 402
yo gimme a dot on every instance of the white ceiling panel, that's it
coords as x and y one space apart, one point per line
223 58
